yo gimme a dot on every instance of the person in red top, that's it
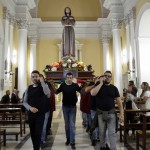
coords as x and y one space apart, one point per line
52 106
85 106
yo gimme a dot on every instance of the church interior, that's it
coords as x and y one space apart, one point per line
107 35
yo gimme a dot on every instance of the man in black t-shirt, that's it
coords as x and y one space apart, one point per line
106 94
69 100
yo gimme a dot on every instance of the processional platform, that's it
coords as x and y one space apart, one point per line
59 75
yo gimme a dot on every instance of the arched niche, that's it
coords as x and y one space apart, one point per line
78 51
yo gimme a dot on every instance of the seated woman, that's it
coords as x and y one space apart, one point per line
143 101
130 104
145 95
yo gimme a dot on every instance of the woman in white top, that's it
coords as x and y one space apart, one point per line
143 100
129 104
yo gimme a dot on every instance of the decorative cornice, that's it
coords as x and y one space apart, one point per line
5 13
115 7
83 29
116 23
29 3
10 5
128 5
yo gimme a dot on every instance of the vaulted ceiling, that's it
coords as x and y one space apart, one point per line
82 10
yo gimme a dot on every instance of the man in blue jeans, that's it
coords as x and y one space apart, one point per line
69 100
106 94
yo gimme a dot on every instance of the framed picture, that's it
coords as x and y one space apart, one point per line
73 71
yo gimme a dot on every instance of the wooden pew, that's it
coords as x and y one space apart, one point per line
4 121
11 105
126 125
143 133
3 133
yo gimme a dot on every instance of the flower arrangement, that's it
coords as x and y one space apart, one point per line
68 63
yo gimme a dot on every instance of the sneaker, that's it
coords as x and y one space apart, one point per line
73 145
107 147
93 142
102 148
67 142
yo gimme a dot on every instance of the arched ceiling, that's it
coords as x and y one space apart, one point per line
82 10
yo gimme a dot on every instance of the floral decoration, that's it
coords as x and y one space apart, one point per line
68 63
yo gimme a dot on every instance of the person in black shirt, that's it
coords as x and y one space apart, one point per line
106 94
6 99
36 101
69 100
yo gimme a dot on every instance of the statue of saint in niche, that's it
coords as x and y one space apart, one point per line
68 36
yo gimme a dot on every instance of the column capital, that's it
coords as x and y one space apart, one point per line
22 24
116 23
12 20
126 20
33 39
105 40
132 14
5 13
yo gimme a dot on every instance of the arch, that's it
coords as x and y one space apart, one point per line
142 10
142 35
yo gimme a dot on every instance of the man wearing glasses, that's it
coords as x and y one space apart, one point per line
106 94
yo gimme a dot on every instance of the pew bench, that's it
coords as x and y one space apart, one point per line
3 133
129 126
18 118
144 133
13 133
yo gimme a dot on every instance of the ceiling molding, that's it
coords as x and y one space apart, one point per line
10 5
83 29
115 7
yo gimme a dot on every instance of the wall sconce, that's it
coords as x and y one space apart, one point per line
130 71
9 72
14 59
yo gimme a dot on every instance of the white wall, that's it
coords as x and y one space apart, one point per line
144 47
142 35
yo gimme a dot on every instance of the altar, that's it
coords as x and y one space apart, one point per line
58 70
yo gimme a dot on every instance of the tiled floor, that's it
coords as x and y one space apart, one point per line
56 141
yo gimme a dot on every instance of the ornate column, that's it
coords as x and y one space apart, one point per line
128 47
133 46
106 62
116 25
33 42
59 51
10 50
1 67
11 29
6 44
22 56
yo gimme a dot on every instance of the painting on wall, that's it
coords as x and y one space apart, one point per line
73 71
